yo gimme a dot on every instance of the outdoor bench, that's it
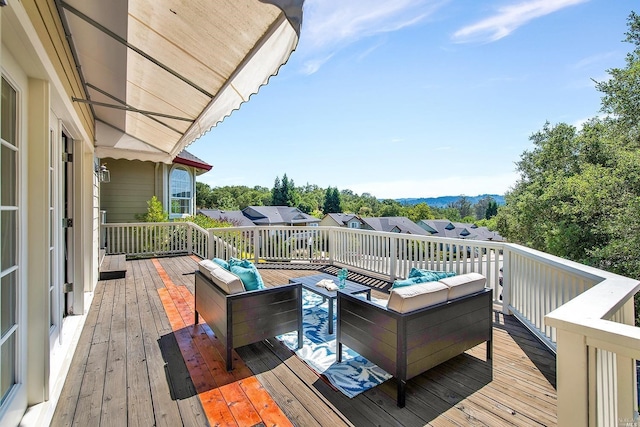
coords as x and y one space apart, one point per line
408 343
239 317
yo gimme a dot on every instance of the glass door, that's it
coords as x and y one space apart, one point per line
9 268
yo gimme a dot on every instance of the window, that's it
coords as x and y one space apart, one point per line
8 240
181 190
354 224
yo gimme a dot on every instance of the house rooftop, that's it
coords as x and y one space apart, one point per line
396 224
188 159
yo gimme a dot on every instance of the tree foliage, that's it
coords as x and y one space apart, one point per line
578 195
206 222
155 213
332 201
312 199
284 192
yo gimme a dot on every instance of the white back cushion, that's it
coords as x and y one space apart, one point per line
228 282
409 298
464 284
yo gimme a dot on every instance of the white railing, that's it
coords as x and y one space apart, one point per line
583 314
146 239
199 239
539 283
598 345
393 255
271 244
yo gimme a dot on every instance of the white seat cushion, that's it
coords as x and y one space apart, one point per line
228 282
464 284
420 295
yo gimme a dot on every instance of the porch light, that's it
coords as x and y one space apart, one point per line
103 173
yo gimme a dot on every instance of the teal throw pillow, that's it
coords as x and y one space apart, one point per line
249 275
222 263
401 283
432 274
411 281
235 261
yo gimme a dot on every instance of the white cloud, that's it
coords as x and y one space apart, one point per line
509 18
596 59
313 65
330 25
436 187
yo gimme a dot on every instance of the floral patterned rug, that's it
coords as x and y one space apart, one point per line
354 374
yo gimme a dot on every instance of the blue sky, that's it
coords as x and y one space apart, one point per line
419 98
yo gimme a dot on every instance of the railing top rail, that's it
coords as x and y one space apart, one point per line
597 303
143 224
446 240
572 267
197 227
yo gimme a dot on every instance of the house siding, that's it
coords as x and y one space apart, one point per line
327 221
46 22
133 183
37 61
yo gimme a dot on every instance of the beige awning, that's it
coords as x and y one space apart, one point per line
161 73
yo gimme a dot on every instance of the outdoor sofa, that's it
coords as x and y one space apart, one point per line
421 326
239 316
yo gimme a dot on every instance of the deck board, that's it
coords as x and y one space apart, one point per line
141 361
165 409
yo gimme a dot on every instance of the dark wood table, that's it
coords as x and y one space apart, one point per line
309 283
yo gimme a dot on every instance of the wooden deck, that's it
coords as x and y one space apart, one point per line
142 361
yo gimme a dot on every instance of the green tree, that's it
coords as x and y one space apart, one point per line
332 202
284 192
419 212
492 209
203 195
464 206
155 213
278 197
579 192
621 92
483 205
390 208
206 222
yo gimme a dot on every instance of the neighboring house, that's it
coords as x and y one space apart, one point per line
341 220
458 230
266 215
83 81
393 224
134 182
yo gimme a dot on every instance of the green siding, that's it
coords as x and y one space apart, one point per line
132 185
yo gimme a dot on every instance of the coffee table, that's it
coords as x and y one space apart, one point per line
309 283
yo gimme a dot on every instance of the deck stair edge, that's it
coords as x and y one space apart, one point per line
113 267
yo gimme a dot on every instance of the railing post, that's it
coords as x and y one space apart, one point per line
189 238
332 244
393 258
572 379
210 244
626 374
256 245
506 281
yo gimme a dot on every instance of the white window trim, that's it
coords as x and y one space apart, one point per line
193 192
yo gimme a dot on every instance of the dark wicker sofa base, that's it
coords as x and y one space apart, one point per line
406 345
248 317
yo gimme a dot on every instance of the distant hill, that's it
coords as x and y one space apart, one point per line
443 201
